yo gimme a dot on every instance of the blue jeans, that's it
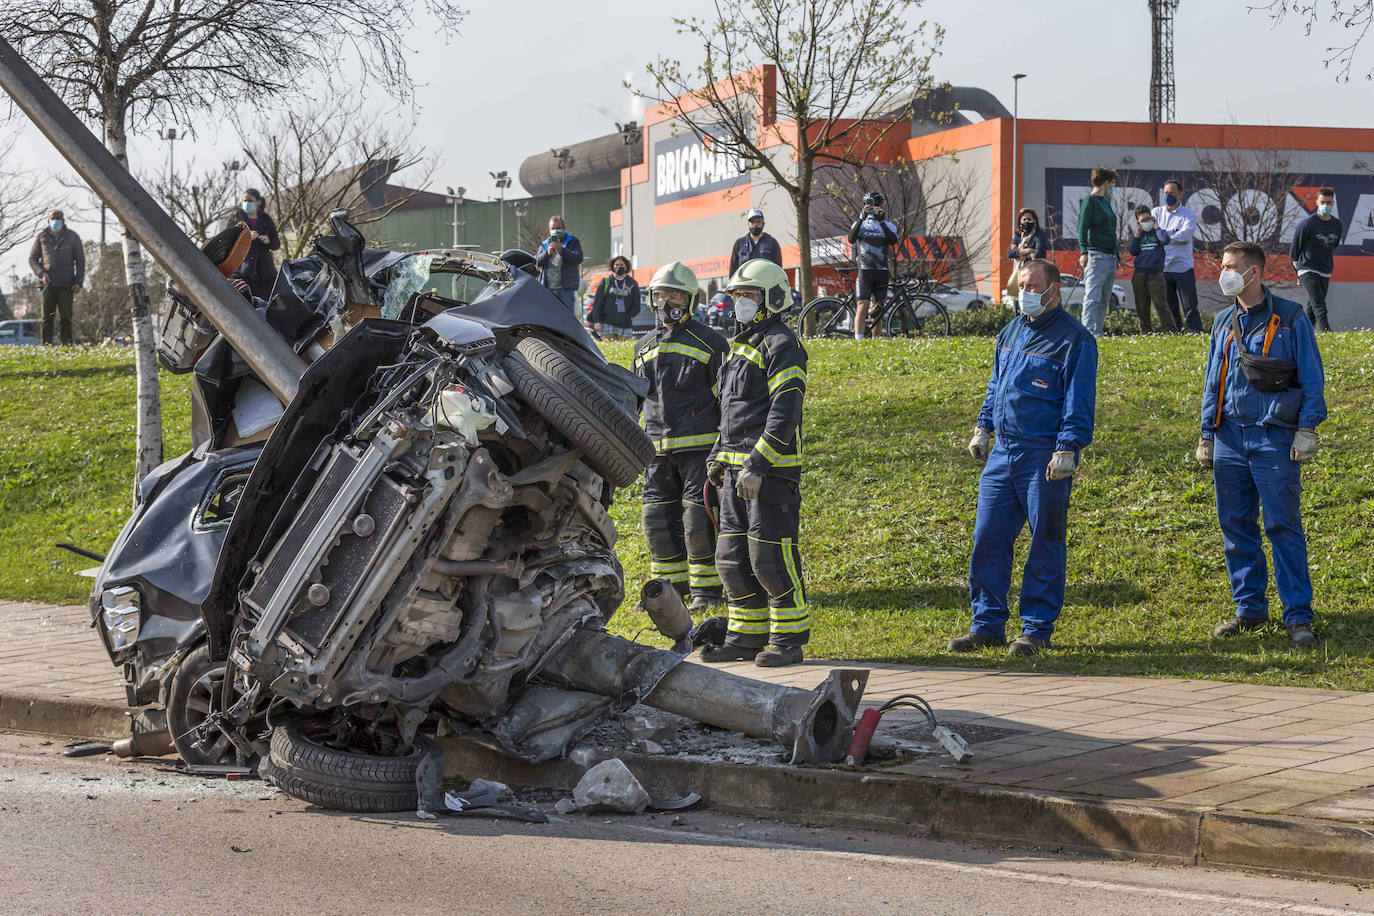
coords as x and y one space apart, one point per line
1012 491
1252 469
1097 290
569 298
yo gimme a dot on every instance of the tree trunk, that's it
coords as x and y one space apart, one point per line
148 424
802 204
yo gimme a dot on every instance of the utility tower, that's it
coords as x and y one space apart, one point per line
1162 61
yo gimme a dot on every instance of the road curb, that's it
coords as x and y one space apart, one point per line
63 716
944 809
894 803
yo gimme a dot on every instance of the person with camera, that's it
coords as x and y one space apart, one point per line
872 238
258 269
558 259
1262 399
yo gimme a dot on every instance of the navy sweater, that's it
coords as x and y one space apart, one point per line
1148 249
1314 244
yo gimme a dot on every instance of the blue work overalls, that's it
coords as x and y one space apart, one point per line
1252 433
1040 400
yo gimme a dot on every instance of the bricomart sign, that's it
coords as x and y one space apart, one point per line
685 166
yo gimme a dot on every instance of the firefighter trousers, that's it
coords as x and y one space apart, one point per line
760 563
682 540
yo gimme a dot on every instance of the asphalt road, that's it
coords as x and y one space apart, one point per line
100 834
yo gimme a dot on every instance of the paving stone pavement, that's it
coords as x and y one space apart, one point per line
1208 744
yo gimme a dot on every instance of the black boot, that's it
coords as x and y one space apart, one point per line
1236 625
1301 635
971 641
729 653
779 657
1027 644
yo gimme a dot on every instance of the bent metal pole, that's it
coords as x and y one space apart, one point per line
266 352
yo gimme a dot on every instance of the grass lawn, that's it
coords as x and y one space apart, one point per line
888 507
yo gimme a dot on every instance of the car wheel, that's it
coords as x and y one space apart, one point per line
309 769
1116 301
195 692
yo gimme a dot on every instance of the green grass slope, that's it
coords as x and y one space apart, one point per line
888 508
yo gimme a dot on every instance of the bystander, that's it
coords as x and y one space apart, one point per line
1098 243
558 259
1313 255
1147 273
1180 283
59 262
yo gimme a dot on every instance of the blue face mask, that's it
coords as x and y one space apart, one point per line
250 207
1031 304
1324 210
1171 200
55 225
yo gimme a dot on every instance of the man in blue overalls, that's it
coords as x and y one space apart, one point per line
1040 403
1260 411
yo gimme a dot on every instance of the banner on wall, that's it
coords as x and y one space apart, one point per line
688 165
1259 215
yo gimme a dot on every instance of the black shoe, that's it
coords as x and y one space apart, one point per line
1229 628
1301 635
704 603
779 657
970 641
1026 644
729 653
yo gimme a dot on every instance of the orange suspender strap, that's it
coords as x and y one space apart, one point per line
1270 332
1221 381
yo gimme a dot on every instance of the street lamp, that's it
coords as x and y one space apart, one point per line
521 207
565 162
455 197
1016 79
632 136
503 181
170 135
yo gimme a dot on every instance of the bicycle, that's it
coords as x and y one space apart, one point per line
910 311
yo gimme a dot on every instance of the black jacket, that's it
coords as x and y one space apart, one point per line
60 256
682 364
258 269
761 389
609 307
746 249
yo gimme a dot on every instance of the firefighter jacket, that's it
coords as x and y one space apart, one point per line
682 363
761 390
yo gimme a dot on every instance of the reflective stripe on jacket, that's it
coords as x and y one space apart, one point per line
761 390
682 364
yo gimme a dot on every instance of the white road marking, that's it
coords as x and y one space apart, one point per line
1255 903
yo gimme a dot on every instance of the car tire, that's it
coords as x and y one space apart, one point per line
1116 302
195 690
615 445
342 780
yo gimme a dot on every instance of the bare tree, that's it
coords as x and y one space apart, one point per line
21 209
937 206
199 200
122 63
1354 17
328 158
839 66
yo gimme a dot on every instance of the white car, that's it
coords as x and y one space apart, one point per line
958 300
1072 285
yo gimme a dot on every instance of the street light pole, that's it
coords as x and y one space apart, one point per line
1016 79
170 135
632 135
503 181
565 162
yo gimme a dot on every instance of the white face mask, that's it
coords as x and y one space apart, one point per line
1147 225
1031 304
746 309
1232 282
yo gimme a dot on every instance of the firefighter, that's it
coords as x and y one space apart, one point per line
756 466
681 358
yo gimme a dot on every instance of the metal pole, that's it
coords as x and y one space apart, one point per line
265 351
501 205
1015 147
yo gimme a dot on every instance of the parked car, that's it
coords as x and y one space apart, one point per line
959 300
20 332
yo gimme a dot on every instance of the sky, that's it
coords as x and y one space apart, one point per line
507 88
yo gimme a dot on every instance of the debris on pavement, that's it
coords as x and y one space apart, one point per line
610 786
86 749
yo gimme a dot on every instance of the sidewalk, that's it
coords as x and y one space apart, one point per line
1202 744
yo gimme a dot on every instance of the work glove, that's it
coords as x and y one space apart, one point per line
715 472
748 484
1204 452
1062 464
1304 446
979 445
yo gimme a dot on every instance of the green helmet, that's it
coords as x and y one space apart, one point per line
761 273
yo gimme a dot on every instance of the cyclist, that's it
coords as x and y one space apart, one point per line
872 238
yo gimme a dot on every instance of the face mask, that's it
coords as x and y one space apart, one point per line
746 310
55 225
1146 225
1170 200
756 230
1324 210
1107 193
620 270
250 207
1031 304
1231 282
1027 225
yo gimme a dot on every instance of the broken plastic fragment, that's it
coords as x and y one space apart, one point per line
610 786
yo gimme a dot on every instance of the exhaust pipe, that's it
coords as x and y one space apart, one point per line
814 724
266 353
665 609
